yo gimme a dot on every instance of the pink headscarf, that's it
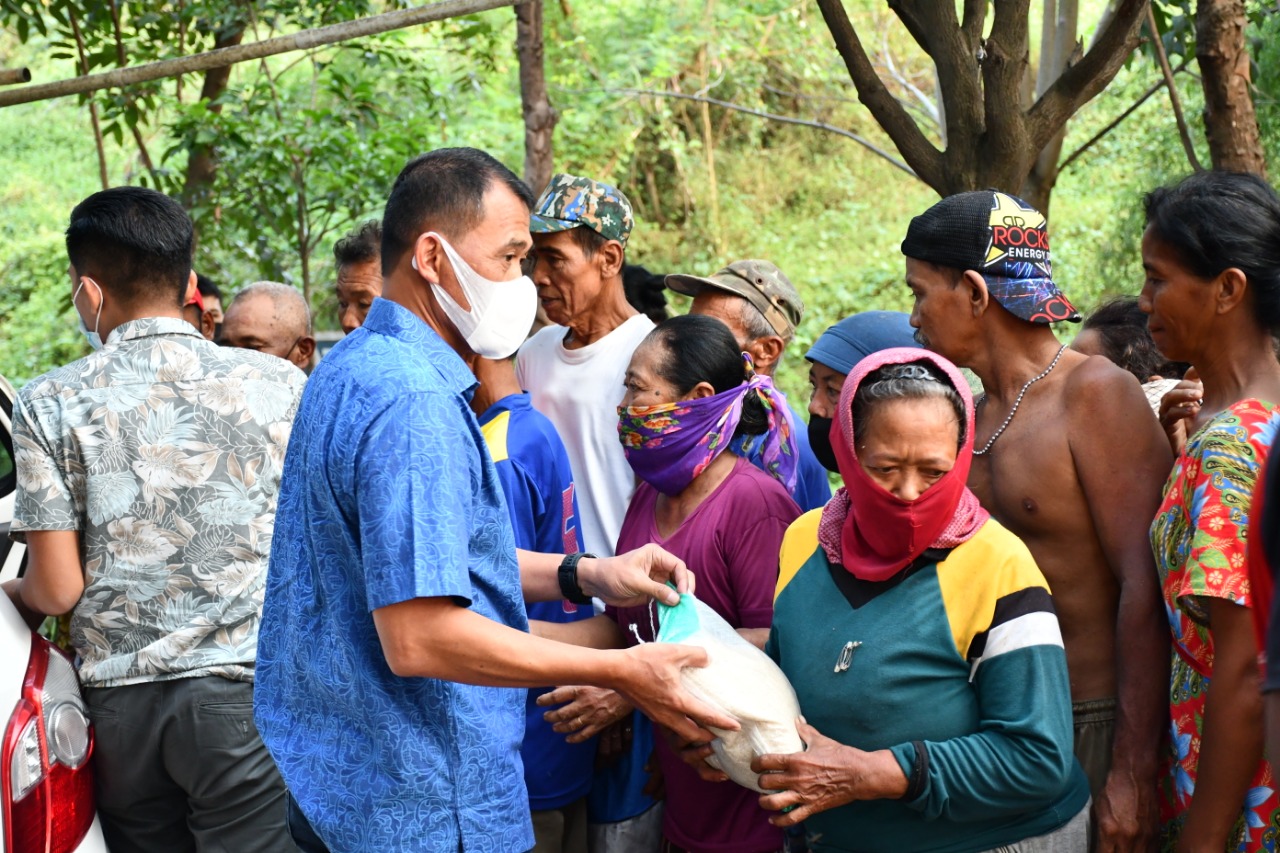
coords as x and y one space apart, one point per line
864 528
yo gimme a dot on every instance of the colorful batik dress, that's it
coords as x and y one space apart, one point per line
1199 541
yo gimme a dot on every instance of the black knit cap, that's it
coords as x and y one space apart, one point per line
1001 237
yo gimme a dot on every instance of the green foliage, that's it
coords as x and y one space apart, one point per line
332 127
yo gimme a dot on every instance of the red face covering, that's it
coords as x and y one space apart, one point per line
866 529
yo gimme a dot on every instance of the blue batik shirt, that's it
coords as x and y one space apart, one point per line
389 494
538 483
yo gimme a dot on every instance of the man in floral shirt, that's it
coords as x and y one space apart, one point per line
147 482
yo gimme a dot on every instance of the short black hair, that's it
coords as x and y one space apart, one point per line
133 241
1218 220
360 246
698 348
1126 341
207 288
444 188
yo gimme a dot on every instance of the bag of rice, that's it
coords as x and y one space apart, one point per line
739 680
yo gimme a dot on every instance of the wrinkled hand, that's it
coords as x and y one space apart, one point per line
1179 408
590 710
635 577
1126 815
826 775
650 679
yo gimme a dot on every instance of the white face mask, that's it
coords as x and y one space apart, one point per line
501 311
90 335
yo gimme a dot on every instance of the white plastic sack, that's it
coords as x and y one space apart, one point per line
739 680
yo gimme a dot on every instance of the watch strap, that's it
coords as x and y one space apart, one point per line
568 577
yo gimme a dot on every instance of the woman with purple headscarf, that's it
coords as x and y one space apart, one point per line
689 392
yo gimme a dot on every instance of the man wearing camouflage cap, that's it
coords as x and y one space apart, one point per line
1068 457
573 371
574 368
761 307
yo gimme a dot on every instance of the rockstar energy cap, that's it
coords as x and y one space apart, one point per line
1000 237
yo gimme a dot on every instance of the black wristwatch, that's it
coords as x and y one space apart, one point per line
568 576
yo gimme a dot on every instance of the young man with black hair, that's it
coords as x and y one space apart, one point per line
211 318
357 260
395 610
147 481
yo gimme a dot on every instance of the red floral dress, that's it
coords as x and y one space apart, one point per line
1199 541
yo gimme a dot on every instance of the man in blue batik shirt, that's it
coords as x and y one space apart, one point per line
394 611
538 484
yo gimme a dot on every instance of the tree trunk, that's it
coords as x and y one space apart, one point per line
1057 45
1230 122
202 160
539 116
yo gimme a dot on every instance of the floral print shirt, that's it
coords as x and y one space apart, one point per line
164 451
1199 541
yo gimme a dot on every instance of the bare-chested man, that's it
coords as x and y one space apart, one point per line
1068 457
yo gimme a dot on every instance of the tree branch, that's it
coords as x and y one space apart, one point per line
923 158
818 125
1115 122
1162 58
1082 81
93 105
301 40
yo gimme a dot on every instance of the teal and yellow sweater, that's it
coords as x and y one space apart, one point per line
957 668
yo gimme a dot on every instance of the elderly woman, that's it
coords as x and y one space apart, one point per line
836 352
1211 252
922 644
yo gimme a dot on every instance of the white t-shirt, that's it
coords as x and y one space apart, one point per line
579 391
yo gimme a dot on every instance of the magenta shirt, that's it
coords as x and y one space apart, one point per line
731 542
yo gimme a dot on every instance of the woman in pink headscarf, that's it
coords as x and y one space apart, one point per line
922 643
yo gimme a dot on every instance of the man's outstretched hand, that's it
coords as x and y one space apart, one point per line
650 678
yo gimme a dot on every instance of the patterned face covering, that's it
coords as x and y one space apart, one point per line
670 444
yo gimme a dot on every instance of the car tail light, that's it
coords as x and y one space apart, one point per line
46 776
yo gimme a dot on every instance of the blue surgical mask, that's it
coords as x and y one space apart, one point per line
90 335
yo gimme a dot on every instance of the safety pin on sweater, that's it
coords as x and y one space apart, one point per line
846 655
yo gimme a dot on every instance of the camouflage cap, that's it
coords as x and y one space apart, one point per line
760 283
570 201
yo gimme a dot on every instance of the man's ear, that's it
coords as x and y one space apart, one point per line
610 258
766 352
305 349
1232 286
975 291
433 266
193 288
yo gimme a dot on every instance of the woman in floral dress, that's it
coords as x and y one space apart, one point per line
1211 252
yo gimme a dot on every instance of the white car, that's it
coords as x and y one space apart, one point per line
46 776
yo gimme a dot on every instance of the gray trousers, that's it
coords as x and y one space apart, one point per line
1071 837
179 768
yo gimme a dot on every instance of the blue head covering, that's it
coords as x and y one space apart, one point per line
854 338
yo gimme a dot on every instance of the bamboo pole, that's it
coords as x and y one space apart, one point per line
222 57
9 76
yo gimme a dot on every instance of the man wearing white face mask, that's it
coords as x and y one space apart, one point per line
147 481
394 613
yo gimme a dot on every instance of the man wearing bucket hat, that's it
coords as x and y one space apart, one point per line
761 307
1068 457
